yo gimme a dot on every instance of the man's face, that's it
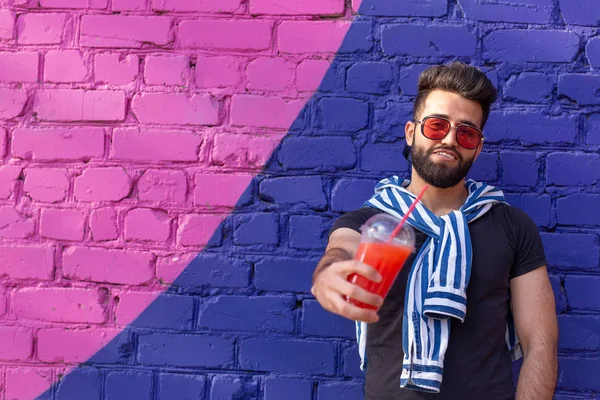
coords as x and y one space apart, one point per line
444 163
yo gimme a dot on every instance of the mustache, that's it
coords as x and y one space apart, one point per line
450 150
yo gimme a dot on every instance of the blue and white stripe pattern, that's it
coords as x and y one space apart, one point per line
438 279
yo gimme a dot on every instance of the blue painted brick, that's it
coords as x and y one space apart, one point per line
535 12
538 207
593 129
321 153
181 387
428 41
81 383
351 363
260 228
530 87
579 209
128 385
318 322
293 190
485 168
309 232
358 39
389 121
515 45
540 128
185 350
579 332
579 374
559 294
167 312
340 390
406 8
284 274
288 356
583 89
580 12
350 194
253 314
120 350
408 78
225 387
288 389
520 169
577 250
592 50
566 169
369 77
384 158
582 292
336 114
208 269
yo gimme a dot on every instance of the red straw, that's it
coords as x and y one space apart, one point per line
410 210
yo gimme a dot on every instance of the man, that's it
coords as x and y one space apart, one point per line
463 355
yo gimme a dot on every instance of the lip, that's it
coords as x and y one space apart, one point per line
446 155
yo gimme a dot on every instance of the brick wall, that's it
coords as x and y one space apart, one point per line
170 169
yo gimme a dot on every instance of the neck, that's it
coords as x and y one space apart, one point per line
437 200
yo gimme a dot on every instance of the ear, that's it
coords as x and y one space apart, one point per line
409 132
478 151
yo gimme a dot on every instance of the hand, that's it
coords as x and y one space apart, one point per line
331 285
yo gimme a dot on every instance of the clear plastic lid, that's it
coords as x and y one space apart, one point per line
380 226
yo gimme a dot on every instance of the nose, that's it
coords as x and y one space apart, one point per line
450 138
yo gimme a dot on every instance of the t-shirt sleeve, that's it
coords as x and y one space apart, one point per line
529 254
354 219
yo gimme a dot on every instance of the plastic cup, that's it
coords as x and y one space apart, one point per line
387 255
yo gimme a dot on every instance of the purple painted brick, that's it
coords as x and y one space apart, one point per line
294 190
540 128
179 350
369 77
340 390
531 11
81 383
167 312
358 39
324 154
582 292
288 356
288 389
350 194
351 363
224 387
309 232
336 114
253 314
408 78
572 250
538 207
566 169
261 228
214 270
579 209
516 45
520 169
406 8
485 168
580 12
592 50
559 294
579 374
128 385
529 87
593 129
181 387
319 322
579 332
428 41
583 89
384 158
284 274
389 121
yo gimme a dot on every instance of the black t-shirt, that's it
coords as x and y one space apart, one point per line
477 364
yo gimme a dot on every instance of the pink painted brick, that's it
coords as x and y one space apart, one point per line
297 7
312 36
310 73
12 102
27 383
166 70
64 66
217 72
3 142
27 262
155 145
268 112
41 28
46 184
131 304
243 151
147 225
273 73
129 5
77 4
7 25
116 69
8 176
176 108
197 229
125 267
16 344
103 223
102 184
15 225
68 345
19 67
204 6
162 186
59 304
74 105
2 300
168 268
62 224
124 31
253 35
209 189
58 144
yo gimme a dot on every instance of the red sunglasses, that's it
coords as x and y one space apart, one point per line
436 128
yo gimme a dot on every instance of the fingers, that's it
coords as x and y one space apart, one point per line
353 312
355 292
356 267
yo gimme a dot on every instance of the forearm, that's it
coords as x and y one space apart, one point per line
331 255
537 379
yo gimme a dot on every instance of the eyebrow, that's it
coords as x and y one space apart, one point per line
464 121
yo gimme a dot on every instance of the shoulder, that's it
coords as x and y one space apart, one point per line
354 219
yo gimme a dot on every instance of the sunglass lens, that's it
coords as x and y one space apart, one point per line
468 137
435 128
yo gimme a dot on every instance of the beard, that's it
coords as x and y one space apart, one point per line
439 175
